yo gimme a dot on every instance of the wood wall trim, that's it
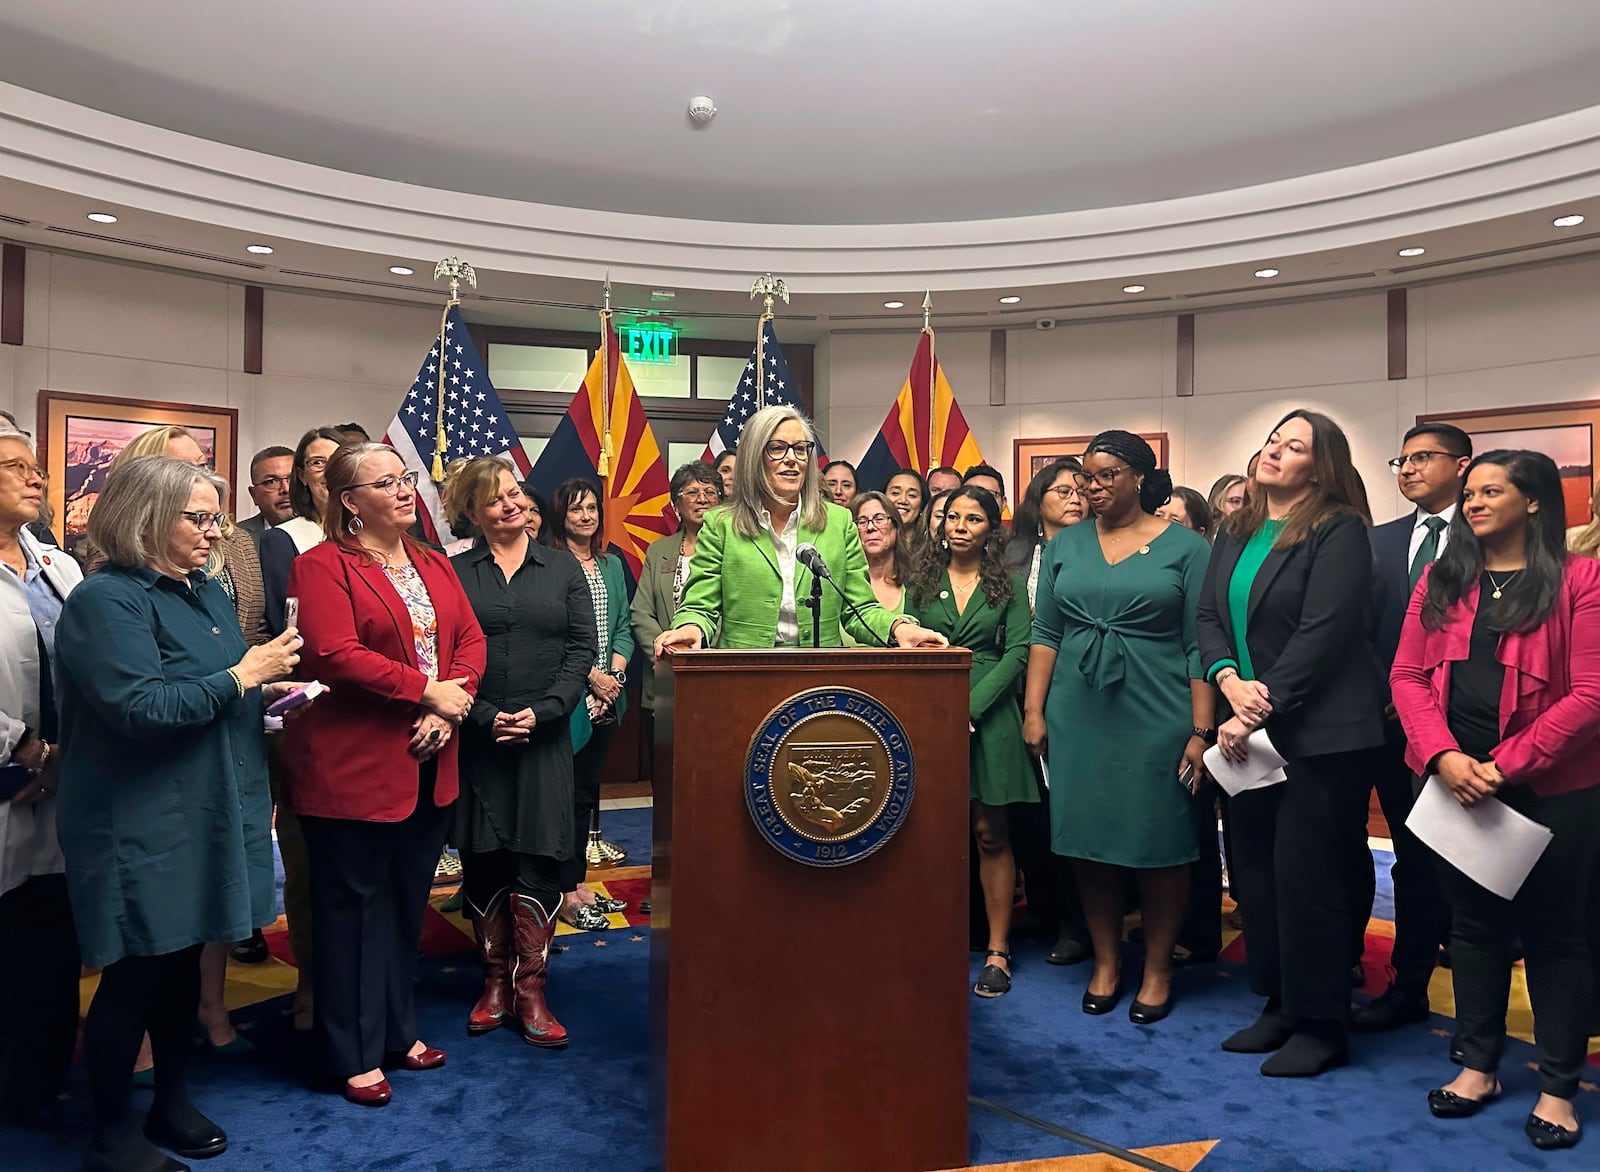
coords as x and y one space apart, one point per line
13 281
997 368
254 319
1185 355
1397 334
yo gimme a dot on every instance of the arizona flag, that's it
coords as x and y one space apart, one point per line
623 458
454 379
924 429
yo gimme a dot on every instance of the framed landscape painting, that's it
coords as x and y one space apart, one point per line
80 436
1030 455
1563 431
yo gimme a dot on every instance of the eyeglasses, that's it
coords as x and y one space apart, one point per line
1105 479
1066 492
204 521
778 450
273 483
1418 459
390 485
316 463
876 521
26 470
701 494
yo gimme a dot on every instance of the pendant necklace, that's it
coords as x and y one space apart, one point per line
1498 586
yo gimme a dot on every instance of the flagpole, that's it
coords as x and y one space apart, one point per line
456 270
606 451
768 288
933 381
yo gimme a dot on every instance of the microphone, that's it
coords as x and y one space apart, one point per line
809 557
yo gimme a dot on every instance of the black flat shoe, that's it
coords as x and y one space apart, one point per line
200 1139
1097 1004
1549 1137
994 981
1141 1014
251 951
1390 1010
1449 1105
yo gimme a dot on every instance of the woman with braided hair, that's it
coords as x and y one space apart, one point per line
1116 693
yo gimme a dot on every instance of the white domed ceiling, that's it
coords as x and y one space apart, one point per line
832 112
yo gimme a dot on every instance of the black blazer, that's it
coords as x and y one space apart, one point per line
1308 636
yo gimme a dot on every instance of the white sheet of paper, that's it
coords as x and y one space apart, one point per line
1489 843
1262 767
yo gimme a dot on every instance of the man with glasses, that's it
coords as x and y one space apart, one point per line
270 473
1430 470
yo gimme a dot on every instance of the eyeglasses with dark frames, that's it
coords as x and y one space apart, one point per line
778 450
876 521
1105 479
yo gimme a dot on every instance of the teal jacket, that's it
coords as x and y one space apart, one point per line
735 583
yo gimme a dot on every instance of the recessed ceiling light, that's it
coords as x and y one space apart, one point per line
1264 273
1133 288
1012 300
1412 251
259 249
102 217
1559 221
894 304
401 270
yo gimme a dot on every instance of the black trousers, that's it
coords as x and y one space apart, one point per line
1421 913
1550 915
39 969
586 768
1201 932
369 889
485 874
1292 845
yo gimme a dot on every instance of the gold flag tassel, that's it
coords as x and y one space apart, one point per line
607 452
933 382
457 270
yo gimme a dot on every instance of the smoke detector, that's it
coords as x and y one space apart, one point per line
702 109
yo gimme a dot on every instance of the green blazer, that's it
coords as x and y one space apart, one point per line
653 602
617 636
735 584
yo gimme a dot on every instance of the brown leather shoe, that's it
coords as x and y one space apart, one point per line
533 929
492 930
377 1095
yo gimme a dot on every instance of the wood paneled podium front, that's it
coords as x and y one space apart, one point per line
808 1017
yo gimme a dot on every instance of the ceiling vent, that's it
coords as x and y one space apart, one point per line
161 248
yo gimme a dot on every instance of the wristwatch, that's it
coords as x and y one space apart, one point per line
1208 735
620 676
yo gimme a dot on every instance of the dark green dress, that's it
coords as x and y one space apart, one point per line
1119 712
165 816
998 639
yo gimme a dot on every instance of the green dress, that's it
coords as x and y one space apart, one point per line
1119 712
997 636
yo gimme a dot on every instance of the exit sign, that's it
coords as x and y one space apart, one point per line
658 344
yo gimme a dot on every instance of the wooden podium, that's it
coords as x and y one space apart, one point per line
807 1016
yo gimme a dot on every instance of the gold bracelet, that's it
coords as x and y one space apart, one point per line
238 681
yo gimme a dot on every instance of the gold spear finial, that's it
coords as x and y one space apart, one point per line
457 270
927 311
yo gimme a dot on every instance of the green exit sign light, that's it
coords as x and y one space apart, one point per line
651 344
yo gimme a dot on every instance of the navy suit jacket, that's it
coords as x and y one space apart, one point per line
1391 585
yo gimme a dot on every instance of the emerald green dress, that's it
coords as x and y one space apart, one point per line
1119 712
997 636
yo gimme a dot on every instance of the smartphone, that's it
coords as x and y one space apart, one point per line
291 611
298 698
1186 777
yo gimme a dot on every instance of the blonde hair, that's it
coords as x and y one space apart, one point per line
154 443
469 484
1586 541
750 489
139 506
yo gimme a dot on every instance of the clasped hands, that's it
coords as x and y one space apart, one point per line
1469 780
447 703
1251 706
690 638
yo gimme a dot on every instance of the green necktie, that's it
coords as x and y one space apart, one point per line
1428 550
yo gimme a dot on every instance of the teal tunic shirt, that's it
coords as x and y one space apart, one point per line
165 817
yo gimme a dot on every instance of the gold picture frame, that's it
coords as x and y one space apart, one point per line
1028 456
1566 432
80 435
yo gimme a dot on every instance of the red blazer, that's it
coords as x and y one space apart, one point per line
348 754
1550 703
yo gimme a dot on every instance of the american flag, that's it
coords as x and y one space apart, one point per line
476 423
780 388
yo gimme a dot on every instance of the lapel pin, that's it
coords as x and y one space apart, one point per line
46 559
944 594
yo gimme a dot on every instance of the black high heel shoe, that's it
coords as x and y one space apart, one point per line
1098 1004
1141 1014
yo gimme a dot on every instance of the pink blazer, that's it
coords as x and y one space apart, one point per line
1549 705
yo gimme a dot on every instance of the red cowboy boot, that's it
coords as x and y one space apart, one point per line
492 930
534 928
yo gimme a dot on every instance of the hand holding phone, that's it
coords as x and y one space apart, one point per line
1187 778
298 698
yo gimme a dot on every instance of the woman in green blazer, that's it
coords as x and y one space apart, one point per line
963 586
745 581
578 524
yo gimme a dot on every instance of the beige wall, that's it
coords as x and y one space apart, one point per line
109 329
1531 336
